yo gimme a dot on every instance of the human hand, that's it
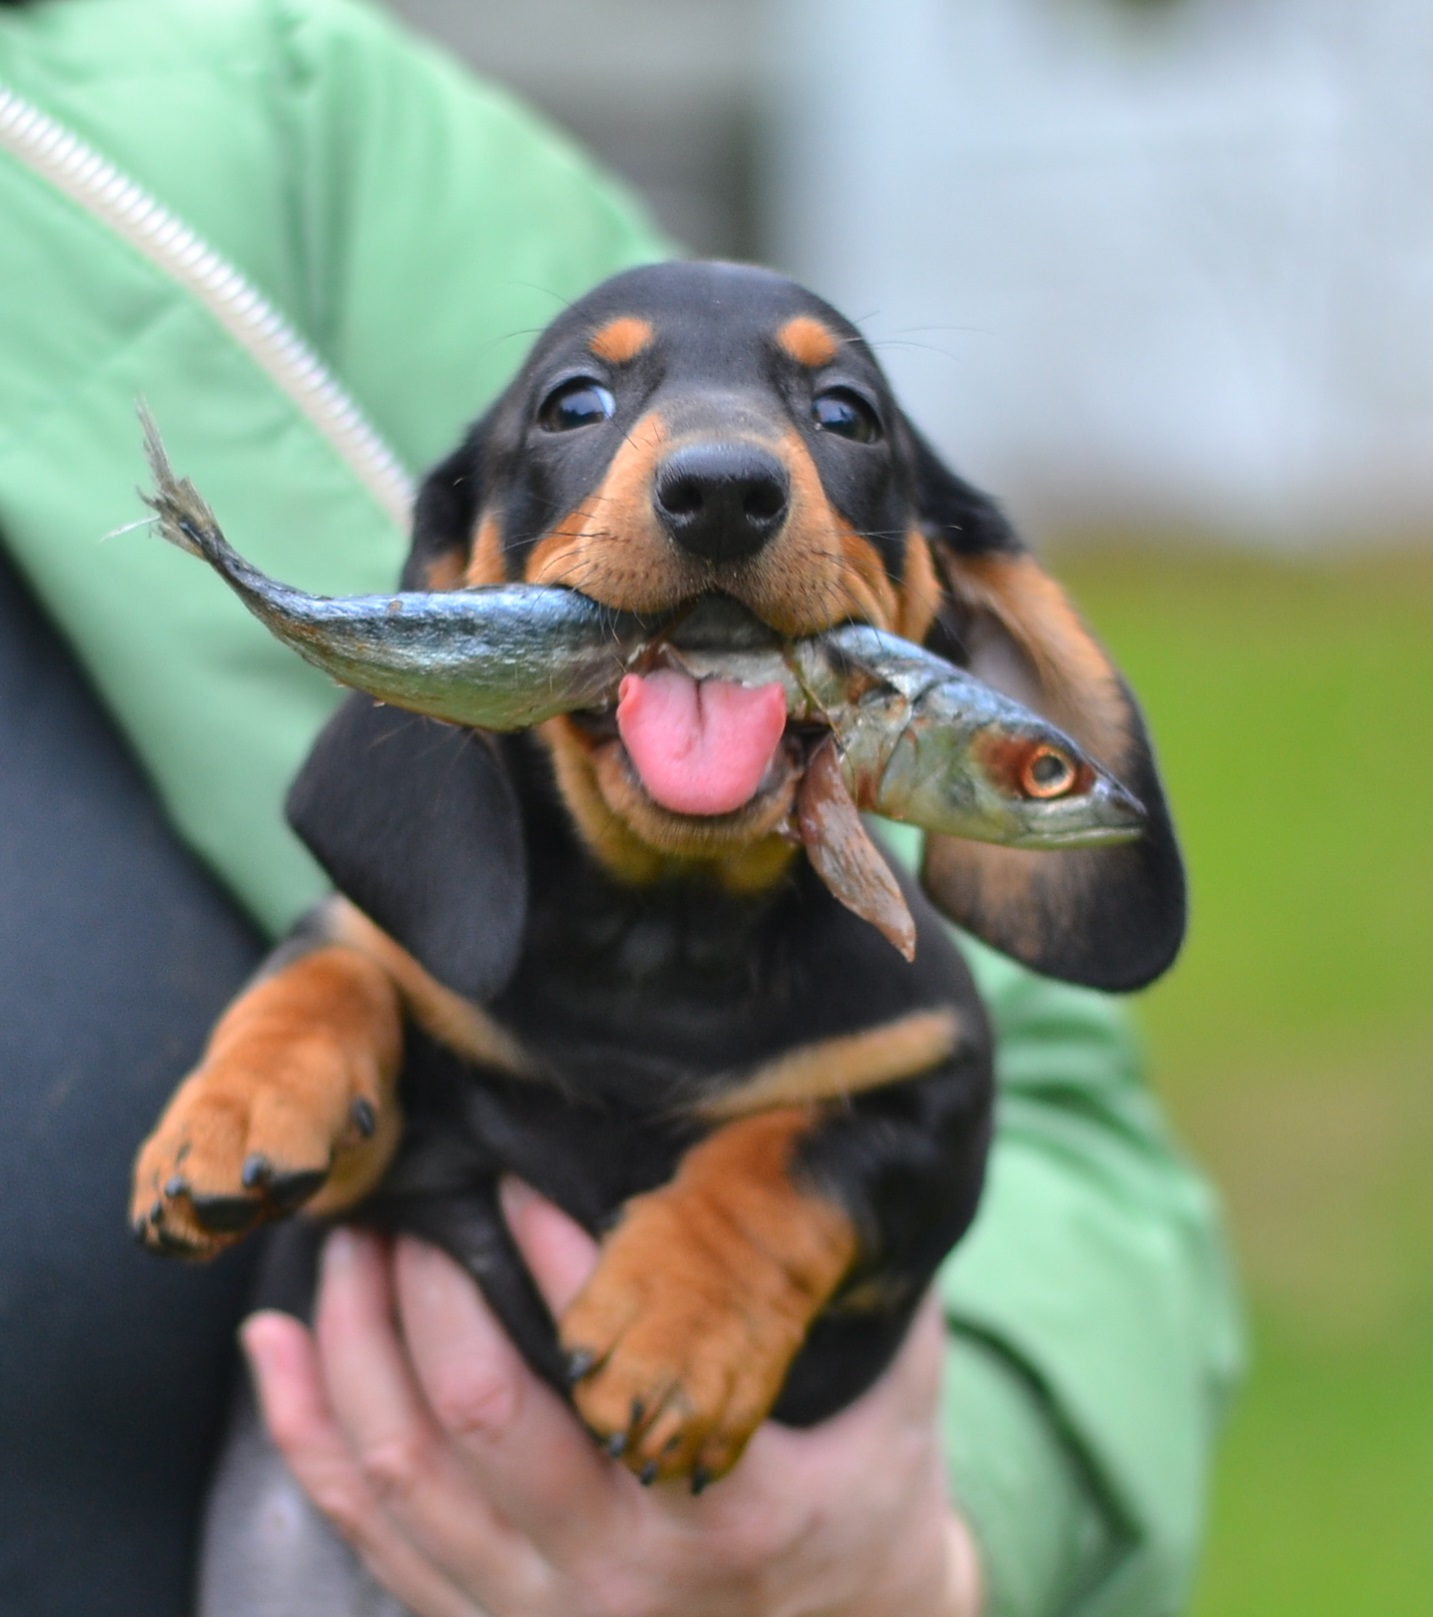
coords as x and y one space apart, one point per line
468 1488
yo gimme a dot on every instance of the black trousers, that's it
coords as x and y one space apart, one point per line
117 951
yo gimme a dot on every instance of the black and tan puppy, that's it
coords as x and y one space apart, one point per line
594 955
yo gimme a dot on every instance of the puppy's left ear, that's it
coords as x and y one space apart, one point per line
1110 918
418 823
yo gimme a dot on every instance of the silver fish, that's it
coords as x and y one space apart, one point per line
495 659
918 739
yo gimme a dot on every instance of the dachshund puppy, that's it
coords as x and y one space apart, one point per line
595 955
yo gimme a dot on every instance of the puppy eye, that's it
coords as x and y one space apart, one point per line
580 402
846 414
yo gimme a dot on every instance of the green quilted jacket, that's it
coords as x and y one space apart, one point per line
322 248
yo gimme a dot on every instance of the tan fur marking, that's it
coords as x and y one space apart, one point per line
621 340
453 1021
703 1295
809 341
486 564
1084 695
920 592
612 546
833 1068
444 572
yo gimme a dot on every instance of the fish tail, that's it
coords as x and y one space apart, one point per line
185 519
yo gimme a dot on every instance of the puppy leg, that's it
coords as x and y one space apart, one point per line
702 1298
293 1102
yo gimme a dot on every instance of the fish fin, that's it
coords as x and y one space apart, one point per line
183 513
1110 917
843 854
418 824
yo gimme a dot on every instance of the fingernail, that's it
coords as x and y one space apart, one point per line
340 1251
515 1196
254 1344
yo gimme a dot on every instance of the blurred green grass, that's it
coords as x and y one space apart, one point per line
1291 703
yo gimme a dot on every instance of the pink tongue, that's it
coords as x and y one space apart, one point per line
699 748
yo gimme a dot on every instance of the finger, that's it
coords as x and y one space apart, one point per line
515 1433
289 1386
405 1459
560 1253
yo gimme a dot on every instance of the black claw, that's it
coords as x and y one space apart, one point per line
175 1185
616 1445
648 1474
700 1478
639 1411
579 1362
365 1120
225 1214
290 1190
140 1230
156 1212
256 1170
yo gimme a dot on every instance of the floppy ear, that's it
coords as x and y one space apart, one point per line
1110 918
417 823
445 515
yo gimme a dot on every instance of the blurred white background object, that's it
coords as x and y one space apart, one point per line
1160 267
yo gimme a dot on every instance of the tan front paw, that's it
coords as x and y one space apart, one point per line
680 1342
235 1147
292 1104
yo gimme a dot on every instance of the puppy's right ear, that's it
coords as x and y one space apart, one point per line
446 517
417 823
1110 917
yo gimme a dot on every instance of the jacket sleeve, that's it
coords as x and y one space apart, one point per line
1094 1339
442 223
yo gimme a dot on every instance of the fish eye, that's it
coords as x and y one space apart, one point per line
845 413
1047 773
578 402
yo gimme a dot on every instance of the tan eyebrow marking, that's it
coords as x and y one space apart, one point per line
621 340
808 341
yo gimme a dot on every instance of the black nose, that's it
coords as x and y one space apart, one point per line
722 501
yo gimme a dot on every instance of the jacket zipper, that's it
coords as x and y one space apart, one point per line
61 158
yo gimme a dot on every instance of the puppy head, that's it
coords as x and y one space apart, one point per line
686 430
696 430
